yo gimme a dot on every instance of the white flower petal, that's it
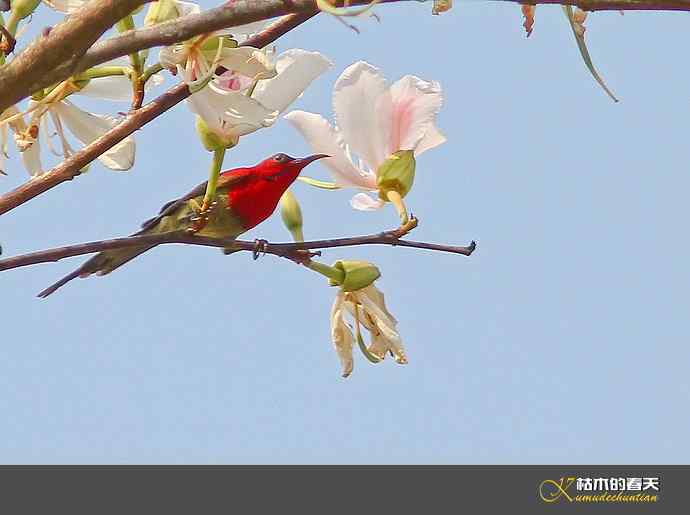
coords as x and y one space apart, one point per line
324 139
379 346
172 56
231 113
243 32
341 336
415 105
117 88
296 70
31 157
65 6
210 105
360 102
156 80
186 8
379 299
432 138
245 115
386 325
87 127
364 202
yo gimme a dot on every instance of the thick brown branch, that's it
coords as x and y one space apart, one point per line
62 48
33 70
69 168
291 251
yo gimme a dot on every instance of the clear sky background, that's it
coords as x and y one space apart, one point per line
564 338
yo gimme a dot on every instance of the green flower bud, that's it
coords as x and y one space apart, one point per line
396 173
211 44
211 140
209 47
163 10
23 8
291 214
356 275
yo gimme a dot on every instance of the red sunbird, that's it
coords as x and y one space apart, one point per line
245 198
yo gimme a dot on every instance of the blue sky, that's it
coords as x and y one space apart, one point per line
563 339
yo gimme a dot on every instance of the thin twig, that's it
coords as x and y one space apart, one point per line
71 166
292 251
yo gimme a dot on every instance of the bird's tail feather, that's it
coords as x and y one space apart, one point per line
101 264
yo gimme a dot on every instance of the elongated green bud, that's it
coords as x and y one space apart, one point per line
211 140
291 214
396 174
356 275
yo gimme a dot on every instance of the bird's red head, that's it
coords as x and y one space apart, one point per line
268 180
283 169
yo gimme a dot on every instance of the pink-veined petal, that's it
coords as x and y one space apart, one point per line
324 139
296 69
415 105
364 202
247 61
362 107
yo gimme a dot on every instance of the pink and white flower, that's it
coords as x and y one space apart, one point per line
251 91
84 126
373 121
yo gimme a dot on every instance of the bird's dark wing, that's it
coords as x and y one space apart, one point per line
225 180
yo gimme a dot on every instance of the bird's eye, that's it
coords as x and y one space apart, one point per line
280 158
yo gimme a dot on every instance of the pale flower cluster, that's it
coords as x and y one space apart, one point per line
238 90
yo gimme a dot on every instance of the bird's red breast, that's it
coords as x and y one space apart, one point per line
256 198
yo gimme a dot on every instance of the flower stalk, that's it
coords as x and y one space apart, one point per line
216 165
332 273
396 199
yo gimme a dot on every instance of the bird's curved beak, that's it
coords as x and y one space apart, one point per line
304 161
